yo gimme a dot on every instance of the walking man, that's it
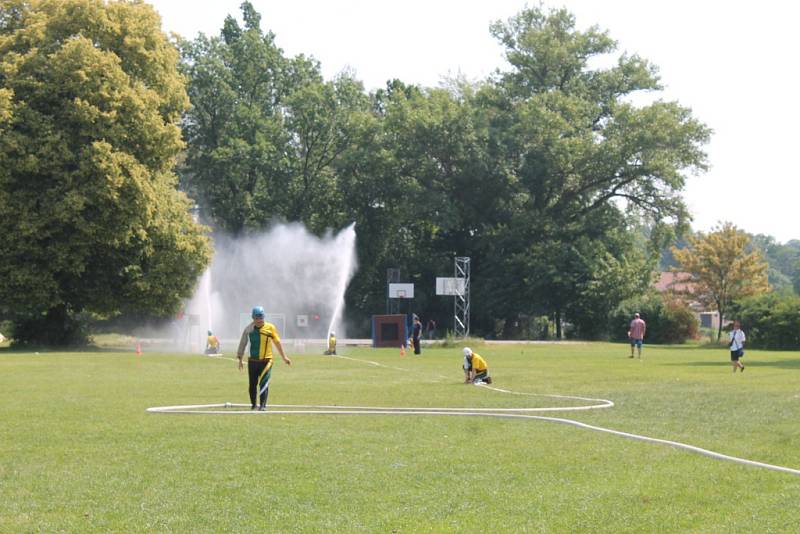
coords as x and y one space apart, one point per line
261 336
636 334
737 346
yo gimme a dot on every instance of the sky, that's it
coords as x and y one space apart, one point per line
733 64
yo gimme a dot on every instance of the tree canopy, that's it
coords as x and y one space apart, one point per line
540 173
583 165
783 260
544 173
91 219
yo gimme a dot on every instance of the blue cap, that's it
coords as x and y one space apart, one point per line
258 311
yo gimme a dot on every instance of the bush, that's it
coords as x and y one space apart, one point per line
7 329
679 322
770 321
57 328
524 327
668 320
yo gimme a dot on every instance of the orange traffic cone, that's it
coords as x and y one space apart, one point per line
138 348
402 351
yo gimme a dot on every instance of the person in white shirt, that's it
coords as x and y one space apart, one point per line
737 346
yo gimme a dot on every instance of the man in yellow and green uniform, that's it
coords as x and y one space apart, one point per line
261 336
475 369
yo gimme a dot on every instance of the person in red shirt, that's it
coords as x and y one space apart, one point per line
636 334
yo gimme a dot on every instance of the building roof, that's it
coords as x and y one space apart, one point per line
679 282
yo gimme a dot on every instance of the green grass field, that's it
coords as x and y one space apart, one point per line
79 453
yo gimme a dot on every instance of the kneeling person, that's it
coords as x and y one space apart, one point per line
212 343
475 369
331 344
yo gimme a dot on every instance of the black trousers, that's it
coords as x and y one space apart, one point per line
254 370
417 349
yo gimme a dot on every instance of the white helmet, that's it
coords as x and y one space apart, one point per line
467 351
333 333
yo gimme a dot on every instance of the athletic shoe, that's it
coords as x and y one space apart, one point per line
743 368
262 408
253 407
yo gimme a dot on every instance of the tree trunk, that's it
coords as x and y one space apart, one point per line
557 319
509 330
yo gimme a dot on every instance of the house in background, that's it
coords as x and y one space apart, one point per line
682 286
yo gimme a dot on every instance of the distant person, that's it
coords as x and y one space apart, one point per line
475 369
261 336
636 333
212 343
331 343
737 346
416 335
430 329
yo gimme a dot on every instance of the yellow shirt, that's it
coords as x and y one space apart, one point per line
260 340
213 342
478 363
332 343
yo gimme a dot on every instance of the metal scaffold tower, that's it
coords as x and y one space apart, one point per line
462 268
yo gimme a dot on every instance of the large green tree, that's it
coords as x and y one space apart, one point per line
91 219
437 162
236 156
584 159
265 131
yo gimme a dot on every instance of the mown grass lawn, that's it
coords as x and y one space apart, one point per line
79 453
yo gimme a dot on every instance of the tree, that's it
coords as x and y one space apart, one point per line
265 131
722 268
90 99
582 162
237 143
783 260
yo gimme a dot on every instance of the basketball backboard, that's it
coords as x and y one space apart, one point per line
450 286
401 291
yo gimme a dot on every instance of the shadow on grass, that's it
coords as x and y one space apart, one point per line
749 362
44 350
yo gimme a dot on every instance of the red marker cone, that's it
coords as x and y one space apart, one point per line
138 349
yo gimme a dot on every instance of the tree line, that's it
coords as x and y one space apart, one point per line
562 189
540 174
